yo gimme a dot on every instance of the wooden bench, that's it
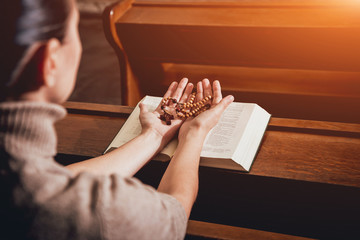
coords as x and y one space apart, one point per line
297 59
205 230
305 180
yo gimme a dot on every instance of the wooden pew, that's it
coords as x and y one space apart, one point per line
297 59
305 180
205 230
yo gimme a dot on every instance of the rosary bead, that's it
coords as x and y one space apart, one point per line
183 110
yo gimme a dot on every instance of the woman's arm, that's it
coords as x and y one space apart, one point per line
126 160
181 177
132 156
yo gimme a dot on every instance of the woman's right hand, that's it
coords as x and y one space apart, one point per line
205 121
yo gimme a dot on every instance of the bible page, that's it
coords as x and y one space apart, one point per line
223 139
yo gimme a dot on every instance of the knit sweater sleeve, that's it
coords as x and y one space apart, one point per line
110 207
128 207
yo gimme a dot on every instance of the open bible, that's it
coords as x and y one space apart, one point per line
232 143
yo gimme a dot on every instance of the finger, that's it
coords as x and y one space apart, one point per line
180 89
223 104
171 89
187 92
199 91
169 92
206 87
217 92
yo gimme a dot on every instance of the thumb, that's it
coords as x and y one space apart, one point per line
223 104
143 108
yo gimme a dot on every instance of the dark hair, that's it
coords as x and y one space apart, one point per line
24 22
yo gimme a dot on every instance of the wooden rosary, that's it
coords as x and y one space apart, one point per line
183 110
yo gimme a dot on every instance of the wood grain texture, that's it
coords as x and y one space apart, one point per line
271 80
100 108
322 48
309 157
250 14
258 3
220 231
319 125
86 135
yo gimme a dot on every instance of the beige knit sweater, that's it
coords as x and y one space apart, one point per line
40 199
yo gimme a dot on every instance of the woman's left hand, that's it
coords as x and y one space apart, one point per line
150 121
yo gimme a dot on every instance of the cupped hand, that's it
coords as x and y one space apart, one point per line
150 121
205 121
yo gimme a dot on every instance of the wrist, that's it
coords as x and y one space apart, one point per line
152 133
197 134
152 139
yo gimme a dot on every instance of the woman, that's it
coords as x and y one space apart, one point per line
97 198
